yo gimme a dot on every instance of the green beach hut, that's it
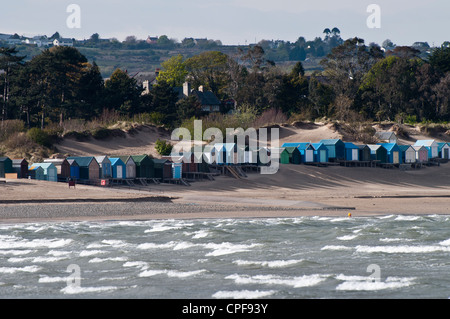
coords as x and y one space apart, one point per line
5 166
290 155
144 166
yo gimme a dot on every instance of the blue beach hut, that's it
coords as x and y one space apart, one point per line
320 153
444 150
36 172
336 148
50 171
74 169
393 153
378 153
118 168
307 152
351 152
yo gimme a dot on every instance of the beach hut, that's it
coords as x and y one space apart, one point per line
290 155
378 153
386 137
162 168
351 152
118 168
50 171
74 169
431 145
320 153
88 166
62 166
36 172
408 154
364 153
5 166
336 149
444 150
144 166
307 152
422 153
20 166
130 166
177 170
105 166
393 153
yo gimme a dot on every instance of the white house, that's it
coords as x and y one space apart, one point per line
63 42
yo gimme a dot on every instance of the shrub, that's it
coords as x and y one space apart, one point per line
163 147
39 136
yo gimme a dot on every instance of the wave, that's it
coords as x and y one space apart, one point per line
336 247
347 237
87 253
361 283
40 259
228 248
269 264
13 270
100 260
295 282
401 249
35 243
243 294
171 273
72 290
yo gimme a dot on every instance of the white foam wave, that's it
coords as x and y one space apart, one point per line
47 279
402 249
296 282
407 218
226 248
347 237
100 260
59 253
161 228
445 242
73 290
361 283
87 253
13 270
243 294
171 273
138 264
16 252
35 243
40 259
336 247
269 264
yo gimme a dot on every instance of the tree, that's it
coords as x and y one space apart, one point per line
9 60
440 58
173 71
122 93
164 100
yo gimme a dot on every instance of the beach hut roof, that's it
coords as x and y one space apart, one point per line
426 142
441 145
318 145
101 159
330 141
374 147
18 161
290 149
35 168
45 166
389 146
3 159
83 161
159 163
405 147
385 135
116 160
351 145
139 158
304 146
72 162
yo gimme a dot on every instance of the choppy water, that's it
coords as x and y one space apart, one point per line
306 257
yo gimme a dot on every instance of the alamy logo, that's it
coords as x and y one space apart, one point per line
374 20
74 19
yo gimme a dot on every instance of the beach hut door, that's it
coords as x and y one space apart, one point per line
323 156
309 154
396 158
355 155
119 171
446 153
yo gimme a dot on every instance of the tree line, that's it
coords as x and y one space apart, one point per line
358 82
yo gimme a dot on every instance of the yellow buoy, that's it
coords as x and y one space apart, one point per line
349 214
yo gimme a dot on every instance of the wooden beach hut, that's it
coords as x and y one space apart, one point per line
130 166
144 166
320 153
20 166
74 169
422 153
118 168
386 137
431 145
351 152
162 168
88 166
444 150
290 155
36 172
336 149
50 171
364 153
378 153
62 167
393 153
105 166
307 152
5 166
408 154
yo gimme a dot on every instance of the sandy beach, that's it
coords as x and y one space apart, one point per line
296 190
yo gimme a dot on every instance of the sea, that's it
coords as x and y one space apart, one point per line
386 257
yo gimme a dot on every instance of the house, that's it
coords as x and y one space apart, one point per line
62 166
386 137
63 42
444 150
431 145
408 154
118 168
207 99
144 166
36 172
364 153
20 166
378 153
320 153
50 171
351 152
422 153
130 166
88 166
105 166
74 169
290 155
152 40
6 166
336 149
393 153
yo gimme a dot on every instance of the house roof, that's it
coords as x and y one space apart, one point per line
206 98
